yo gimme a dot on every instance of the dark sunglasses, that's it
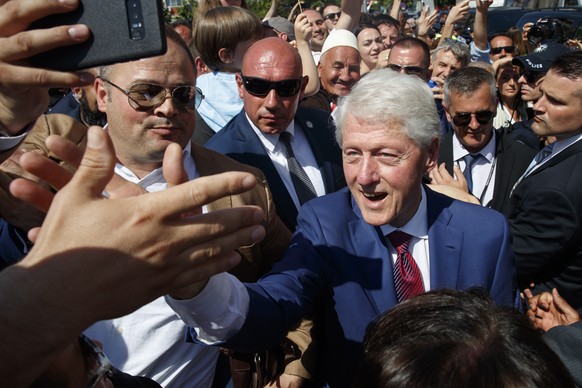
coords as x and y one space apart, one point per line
463 119
146 96
261 87
332 16
498 50
411 70
530 76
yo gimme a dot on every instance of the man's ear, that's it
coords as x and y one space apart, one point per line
304 83
77 93
101 94
433 154
449 117
225 55
239 84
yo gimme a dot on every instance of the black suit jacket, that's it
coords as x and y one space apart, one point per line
238 140
513 158
545 215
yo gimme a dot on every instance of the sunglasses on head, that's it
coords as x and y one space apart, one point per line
261 87
332 16
411 70
463 119
146 96
498 50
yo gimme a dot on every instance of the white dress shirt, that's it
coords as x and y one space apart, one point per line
303 154
150 341
483 171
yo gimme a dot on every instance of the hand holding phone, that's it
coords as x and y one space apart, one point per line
23 89
120 31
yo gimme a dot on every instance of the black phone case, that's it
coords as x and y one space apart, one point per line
122 30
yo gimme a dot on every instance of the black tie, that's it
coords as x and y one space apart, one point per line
470 160
303 186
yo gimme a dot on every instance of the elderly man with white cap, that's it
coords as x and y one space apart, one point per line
338 69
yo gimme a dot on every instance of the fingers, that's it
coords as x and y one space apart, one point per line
96 167
65 149
16 16
563 306
31 193
45 169
190 196
173 166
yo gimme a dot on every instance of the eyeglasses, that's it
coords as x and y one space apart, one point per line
146 96
104 367
332 16
498 50
463 119
530 76
261 87
411 70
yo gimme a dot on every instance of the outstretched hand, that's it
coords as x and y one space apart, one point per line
141 247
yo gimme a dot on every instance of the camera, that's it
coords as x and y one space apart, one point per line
547 28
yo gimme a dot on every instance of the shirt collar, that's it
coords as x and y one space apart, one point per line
155 181
488 152
418 224
268 140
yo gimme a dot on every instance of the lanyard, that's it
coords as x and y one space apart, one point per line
482 196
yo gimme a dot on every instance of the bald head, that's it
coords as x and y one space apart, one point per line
271 84
273 55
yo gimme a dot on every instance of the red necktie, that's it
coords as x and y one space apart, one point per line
407 276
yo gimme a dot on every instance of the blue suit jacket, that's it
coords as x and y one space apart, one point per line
238 140
339 267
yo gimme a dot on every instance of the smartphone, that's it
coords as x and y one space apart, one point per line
121 30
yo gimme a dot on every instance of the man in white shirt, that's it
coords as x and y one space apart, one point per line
150 104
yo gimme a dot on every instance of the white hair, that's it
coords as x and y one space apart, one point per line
386 96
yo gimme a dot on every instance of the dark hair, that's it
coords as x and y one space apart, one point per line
467 80
409 42
500 34
380 19
456 338
362 26
568 65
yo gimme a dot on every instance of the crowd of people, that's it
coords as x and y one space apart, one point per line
332 198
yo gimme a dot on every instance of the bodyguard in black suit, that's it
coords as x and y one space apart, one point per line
271 86
491 162
545 209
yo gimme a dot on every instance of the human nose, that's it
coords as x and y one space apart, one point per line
168 108
272 99
367 173
539 106
474 124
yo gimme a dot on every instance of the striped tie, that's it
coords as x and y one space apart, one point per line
407 276
303 186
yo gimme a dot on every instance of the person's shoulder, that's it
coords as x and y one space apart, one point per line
331 203
223 163
319 115
468 212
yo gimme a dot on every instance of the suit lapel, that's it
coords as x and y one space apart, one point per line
320 153
254 154
374 262
505 162
445 243
565 154
207 164
446 152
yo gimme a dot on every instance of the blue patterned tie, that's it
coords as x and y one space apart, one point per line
303 186
470 160
407 276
